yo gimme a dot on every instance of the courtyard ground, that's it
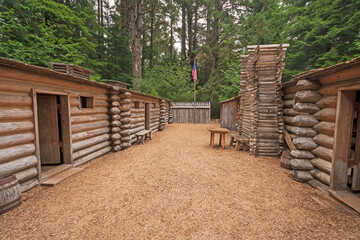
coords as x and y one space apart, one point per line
176 187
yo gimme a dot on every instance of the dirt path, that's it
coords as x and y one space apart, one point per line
176 187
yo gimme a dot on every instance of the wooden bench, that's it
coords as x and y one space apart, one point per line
143 135
241 141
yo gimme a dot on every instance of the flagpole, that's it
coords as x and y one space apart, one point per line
194 99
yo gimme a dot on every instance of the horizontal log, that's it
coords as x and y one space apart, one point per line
75 111
301 164
306 107
89 134
15 127
324 140
90 142
321 176
304 84
135 130
10 100
86 151
15 114
302 154
91 118
327 102
307 96
326 114
323 152
92 156
137 120
137 124
15 87
288 103
322 164
26 174
304 121
304 143
327 128
9 168
301 176
25 186
89 126
11 153
292 112
301 131
16 139
290 89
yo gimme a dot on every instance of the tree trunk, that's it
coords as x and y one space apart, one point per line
136 43
189 20
171 30
183 31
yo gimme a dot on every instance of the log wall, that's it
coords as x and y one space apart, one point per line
309 114
89 127
110 124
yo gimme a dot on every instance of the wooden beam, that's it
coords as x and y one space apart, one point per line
66 129
36 131
342 140
341 75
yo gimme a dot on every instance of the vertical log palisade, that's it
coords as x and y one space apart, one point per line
90 118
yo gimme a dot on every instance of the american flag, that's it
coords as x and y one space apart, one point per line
194 73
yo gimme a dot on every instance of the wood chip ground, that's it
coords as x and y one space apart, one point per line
176 187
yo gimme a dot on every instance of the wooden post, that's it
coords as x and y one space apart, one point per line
342 140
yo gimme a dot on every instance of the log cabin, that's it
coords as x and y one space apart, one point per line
322 116
52 120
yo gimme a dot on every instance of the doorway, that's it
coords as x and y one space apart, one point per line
147 116
53 133
345 172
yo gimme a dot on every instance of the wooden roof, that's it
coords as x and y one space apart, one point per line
41 70
349 69
49 72
229 100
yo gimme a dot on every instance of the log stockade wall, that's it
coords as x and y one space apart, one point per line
259 109
109 124
310 113
183 112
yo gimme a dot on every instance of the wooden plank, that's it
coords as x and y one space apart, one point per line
48 129
349 199
342 140
53 171
66 129
61 176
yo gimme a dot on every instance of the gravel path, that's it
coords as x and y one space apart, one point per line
176 187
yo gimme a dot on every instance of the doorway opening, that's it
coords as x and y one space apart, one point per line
53 121
147 116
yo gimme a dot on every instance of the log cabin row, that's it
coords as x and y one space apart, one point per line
51 121
322 116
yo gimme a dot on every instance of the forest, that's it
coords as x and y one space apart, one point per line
153 44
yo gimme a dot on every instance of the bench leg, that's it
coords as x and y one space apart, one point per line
212 137
231 141
237 147
223 142
220 137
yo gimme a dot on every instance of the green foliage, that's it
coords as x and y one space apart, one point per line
168 80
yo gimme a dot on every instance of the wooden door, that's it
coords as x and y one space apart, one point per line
49 138
147 116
